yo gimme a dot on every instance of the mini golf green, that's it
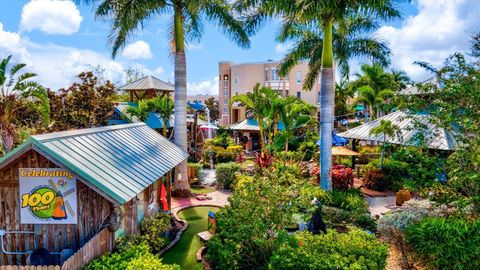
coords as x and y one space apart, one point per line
184 252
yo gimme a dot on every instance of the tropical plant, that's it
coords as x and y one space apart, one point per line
322 15
164 107
187 25
388 130
212 105
261 103
16 88
343 91
294 115
141 110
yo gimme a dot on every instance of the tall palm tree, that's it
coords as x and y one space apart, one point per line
15 86
165 108
343 91
187 25
388 130
323 14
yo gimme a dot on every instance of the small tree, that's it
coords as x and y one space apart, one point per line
388 130
84 104
164 107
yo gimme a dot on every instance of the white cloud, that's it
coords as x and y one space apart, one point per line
159 71
137 50
203 87
282 48
51 17
440 28
12 44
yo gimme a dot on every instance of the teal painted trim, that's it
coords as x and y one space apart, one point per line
82 174
30 140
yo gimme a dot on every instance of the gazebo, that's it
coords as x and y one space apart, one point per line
147 87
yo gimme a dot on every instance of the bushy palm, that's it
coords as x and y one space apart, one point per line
16 86
343 91
140 111
372 99
295 114
128 16
164 107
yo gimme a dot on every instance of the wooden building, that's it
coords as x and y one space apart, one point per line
118 172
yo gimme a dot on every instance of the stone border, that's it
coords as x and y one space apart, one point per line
184 223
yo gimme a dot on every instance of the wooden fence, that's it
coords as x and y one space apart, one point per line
15 267
97 246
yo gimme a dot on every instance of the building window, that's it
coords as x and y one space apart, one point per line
236 79
225 101
225 92
298 77
225 110
286 93
275 74
266 74
225 81
299 95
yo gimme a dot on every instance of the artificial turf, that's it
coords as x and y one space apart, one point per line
184 253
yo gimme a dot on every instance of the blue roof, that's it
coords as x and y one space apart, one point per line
196 105
337 140
116 161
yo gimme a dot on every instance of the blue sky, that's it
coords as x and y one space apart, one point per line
58 39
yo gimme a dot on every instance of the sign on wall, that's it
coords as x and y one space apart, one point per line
47 196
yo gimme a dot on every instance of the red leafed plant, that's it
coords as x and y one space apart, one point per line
342 178
240 158
315 171
263 160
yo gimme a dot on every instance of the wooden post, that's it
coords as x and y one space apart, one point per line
169 190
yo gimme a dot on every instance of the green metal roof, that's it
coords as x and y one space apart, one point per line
119 161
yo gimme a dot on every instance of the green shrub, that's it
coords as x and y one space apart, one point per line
249 230
308 149
353 250
224 156
155 229
225 173
130 257
149 261
235 149
446 243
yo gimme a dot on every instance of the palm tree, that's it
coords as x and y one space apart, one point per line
258 103
141 111
165 108
349 41
294 115
14 88
322 14
187 25
388 130
373 99
343 91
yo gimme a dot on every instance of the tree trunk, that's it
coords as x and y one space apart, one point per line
181 186
383 152
327 95
286 151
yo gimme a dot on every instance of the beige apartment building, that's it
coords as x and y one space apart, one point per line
240 78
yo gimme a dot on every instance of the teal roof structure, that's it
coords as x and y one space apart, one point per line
119 161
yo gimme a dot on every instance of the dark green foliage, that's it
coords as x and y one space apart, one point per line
130 257
155 228
422 168
353 250
247 230
446 243
225 173
352 209
308 150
